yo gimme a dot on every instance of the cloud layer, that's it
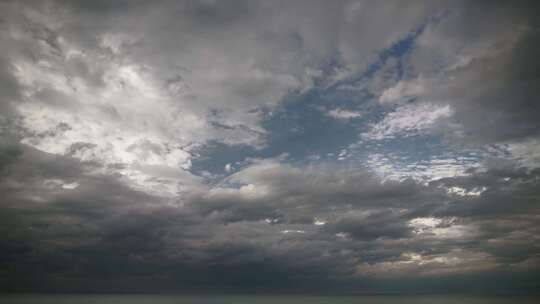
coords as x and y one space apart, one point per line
250 145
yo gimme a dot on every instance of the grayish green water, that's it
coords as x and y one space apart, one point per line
206 299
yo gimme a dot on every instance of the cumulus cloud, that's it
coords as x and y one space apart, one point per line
408 120
403 90
344 114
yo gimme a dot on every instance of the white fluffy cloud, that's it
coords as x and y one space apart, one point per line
344 114
400 167
403 90
128 122
408 120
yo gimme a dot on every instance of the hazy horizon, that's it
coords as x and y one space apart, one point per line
205 299
270 147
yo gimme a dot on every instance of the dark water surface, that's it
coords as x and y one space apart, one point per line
225 299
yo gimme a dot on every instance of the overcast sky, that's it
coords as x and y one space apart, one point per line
310 146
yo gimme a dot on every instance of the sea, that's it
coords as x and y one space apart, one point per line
261 299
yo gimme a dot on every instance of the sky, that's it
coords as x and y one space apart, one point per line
291 146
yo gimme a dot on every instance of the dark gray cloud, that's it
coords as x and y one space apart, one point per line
490 45
168 146
288 237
